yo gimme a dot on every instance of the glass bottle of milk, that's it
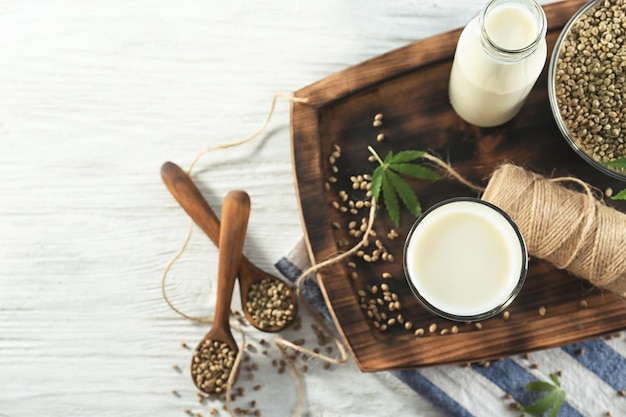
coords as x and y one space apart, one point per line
498 58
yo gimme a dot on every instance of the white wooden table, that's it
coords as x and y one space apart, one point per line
94 97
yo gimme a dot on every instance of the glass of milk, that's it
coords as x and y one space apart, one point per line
465 259
498 58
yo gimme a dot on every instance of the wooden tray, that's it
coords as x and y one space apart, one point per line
409 87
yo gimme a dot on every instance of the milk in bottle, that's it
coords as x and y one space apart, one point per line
498 58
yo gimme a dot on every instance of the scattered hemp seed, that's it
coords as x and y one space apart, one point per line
608 192
515 406
622 393
378 116
580 352
380 137
432 328
478 326
419 332
506 315
298 342
542 311
583 304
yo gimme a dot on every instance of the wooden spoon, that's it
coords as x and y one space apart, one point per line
214 356
190 198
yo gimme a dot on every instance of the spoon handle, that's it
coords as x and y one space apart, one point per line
191 200
235 214
187 194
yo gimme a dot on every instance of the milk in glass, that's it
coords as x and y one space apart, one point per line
465 259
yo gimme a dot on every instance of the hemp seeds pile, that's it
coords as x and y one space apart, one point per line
590 80
212 364
269 303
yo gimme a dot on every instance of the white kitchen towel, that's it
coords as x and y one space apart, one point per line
594 382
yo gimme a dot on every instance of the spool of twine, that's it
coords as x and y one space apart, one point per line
572 230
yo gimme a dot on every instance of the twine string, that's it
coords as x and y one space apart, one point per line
572 230
268 118
453 172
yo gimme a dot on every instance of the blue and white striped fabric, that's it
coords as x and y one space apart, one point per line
592 381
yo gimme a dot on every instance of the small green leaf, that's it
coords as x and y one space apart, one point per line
539 386
377 181
616 163
406 194
404 156
388 158
557 405
543 404
620 196
391 201
554 379
552 401
416 171
387 183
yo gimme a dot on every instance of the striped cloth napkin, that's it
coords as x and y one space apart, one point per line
592 373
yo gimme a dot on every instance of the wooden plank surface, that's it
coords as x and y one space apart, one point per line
409 87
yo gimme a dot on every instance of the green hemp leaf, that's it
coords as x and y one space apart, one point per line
388 185
552 401
618 163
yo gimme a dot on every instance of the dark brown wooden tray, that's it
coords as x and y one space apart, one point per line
409 87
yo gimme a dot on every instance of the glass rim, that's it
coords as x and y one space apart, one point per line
537 12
